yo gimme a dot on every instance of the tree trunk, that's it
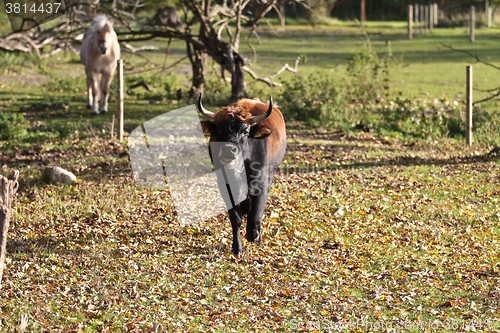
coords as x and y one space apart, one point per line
8 187
198 60
238 83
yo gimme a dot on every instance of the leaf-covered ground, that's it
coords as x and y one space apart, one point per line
359 231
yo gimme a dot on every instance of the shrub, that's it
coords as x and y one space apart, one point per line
369 75
315 97
421 119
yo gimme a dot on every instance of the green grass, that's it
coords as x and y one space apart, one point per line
395 228
353 227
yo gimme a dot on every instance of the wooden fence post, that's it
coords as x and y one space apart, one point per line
431 17
410 22
472 23
426 19
435 14
8 187
489 16
417 23
363 12
486 6
421 19
468 111
119 100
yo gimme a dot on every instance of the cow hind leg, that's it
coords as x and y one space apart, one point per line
245 207
235 217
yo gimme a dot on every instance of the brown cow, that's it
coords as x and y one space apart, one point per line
252 134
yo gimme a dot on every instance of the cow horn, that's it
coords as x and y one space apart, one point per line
202 110
264 116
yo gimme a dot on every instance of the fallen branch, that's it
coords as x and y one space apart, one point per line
253 31
140 55
58 38
142 48
143 84
269 80
166 57
156 69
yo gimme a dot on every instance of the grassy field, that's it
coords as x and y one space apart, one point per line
355 228
365 231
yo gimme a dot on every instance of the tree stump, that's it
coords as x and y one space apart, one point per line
8 187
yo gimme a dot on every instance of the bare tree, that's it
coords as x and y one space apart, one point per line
214 19
215 22
209 28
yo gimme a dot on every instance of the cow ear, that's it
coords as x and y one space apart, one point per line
259 131
208 127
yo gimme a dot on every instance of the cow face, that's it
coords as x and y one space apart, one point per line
231 136
230 131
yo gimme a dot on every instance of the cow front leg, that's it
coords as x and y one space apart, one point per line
254 221
235 217
105 82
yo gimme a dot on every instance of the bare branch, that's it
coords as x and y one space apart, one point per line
262 79
249 41
140 55
142 48
223 24
264 12
230 33
269 80
156 69
286 67
175 63
488 98
271 28
141 83
487 90
280 14
472 54
239 11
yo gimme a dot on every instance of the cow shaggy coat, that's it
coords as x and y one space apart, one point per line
99 53
255 132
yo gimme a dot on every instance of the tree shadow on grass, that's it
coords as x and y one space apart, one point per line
370 162
418 161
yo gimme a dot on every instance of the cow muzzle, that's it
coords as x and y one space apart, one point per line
228 155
